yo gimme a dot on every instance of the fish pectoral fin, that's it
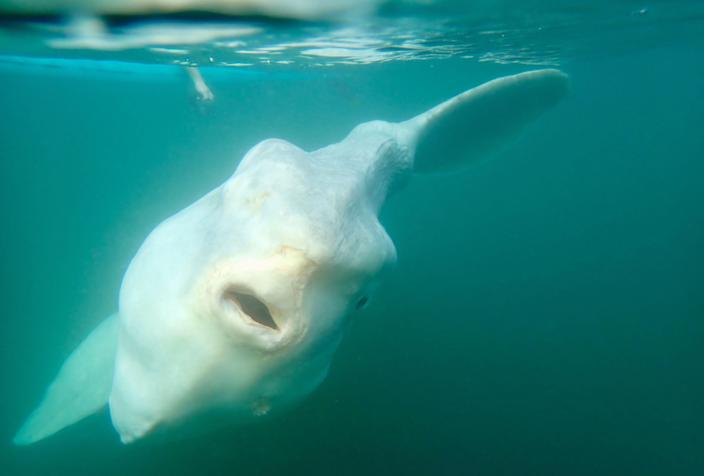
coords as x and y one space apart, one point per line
469 126
81 387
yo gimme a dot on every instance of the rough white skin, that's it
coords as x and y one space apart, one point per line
297 230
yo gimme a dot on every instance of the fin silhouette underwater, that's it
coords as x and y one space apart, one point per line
229 306
82 386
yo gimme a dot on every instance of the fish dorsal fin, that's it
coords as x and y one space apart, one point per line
81 387
466 128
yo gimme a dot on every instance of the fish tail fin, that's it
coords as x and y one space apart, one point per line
467 127
81 387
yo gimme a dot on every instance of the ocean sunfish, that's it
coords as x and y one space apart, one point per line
235 305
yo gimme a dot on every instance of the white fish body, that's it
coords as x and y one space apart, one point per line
236 304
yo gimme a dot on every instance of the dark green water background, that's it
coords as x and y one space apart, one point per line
546 316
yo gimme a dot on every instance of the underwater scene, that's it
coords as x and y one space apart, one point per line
402 237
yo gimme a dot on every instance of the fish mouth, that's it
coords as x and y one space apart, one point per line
253 309
259 300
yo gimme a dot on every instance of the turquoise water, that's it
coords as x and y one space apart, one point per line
545 317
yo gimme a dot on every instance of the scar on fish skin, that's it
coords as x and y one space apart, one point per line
255 201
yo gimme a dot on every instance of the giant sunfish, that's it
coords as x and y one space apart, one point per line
235 305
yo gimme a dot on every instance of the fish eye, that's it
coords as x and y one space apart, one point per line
361 303
251 306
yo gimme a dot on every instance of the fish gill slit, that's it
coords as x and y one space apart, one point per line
252 307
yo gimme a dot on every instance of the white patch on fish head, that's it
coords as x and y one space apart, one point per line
238 301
